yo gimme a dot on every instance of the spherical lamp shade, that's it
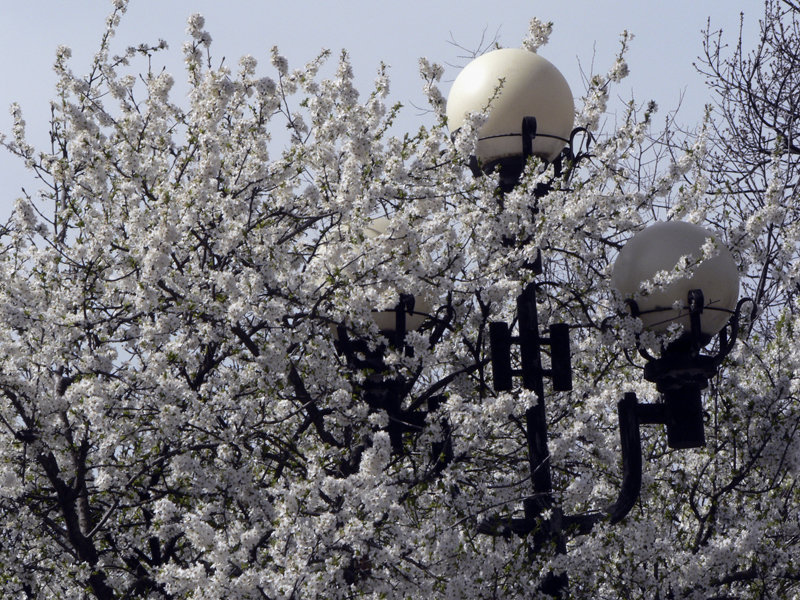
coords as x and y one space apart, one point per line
386 318
659 248
511 84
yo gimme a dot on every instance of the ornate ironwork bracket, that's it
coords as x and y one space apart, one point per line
510 168
682 371
631 416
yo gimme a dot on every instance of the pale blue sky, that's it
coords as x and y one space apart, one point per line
586 33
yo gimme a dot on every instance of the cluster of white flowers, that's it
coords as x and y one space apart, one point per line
195 29
538 35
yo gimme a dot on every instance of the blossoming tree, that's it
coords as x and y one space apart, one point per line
196 400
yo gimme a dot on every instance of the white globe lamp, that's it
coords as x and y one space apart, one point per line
386 317
508 85
656 251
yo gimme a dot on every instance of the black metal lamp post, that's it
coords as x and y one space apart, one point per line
530 113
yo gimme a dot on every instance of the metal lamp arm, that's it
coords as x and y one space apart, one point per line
631 415
631 444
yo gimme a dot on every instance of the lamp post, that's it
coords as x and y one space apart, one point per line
381 391
529 112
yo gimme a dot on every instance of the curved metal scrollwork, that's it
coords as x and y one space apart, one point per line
510 168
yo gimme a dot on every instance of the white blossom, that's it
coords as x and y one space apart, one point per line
538 35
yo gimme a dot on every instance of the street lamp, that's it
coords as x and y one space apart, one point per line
657 250
674 274
394 321
512 84
381 391
529 109
529 112
651 274
670 273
